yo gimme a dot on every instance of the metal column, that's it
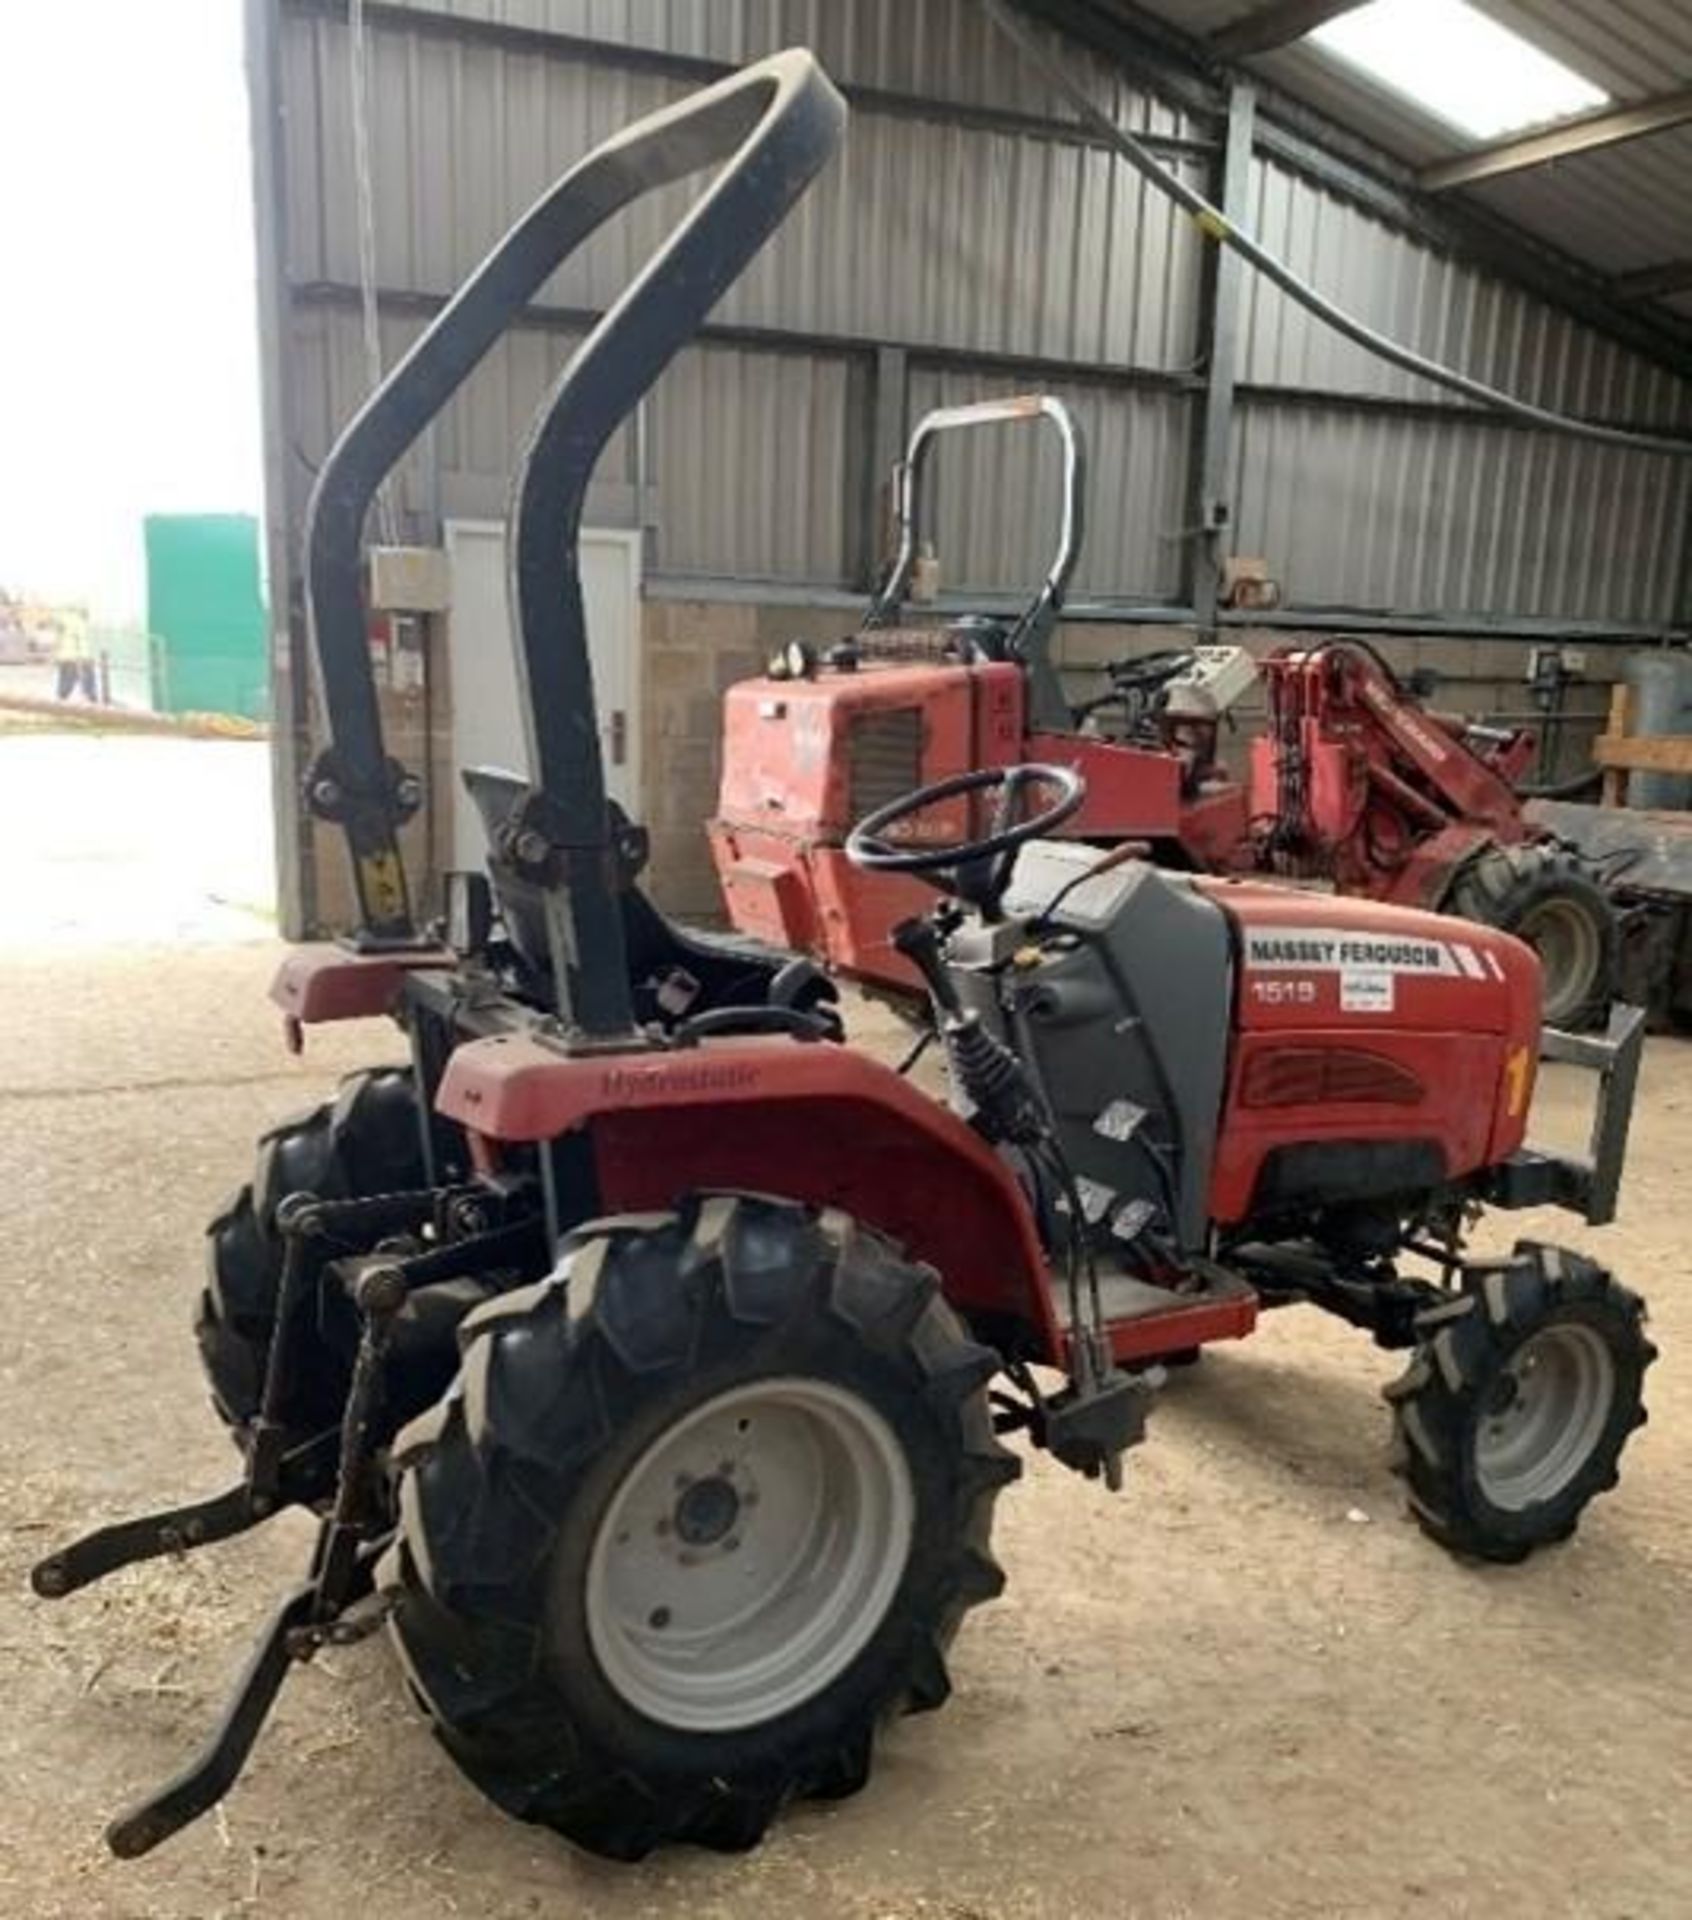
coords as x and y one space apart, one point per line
1212 518
285 621
889 391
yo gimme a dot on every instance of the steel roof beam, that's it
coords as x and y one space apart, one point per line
1651 283
1276 25
1185 73
1586 135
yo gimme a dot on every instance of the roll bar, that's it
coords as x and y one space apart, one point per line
1032 632
773 126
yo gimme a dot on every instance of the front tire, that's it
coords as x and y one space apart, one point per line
706 1505
1514 1412
1547 899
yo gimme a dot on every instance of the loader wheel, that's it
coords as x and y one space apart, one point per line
1548 900
704 1507
1514 1412
364 1141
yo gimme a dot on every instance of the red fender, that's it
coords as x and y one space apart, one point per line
767 1114
322 981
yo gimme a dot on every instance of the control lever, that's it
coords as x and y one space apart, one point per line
918 939
985 1069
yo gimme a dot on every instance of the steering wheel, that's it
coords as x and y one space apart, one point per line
1135 682
1150 669
977 870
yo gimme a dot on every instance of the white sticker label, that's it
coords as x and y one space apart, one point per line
1365 990
1095 1198
1119 1121
1286 948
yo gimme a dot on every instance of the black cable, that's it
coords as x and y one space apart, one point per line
1080 1250
1043 918
1215 225
1339 641
1611 866
919 1047
1164 1166
1582 783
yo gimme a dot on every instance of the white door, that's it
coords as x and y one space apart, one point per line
487 724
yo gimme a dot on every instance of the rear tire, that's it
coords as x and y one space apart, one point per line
633 1645
1521 1396
1546 898
365 1141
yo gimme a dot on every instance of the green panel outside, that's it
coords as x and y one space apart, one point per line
204 609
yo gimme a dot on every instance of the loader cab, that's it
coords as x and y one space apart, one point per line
830 734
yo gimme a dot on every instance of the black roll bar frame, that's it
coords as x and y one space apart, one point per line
773 126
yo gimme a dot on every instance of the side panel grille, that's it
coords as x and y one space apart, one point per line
1314 1077
884 758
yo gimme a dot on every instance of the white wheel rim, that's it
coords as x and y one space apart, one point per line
749 1555
1568 945
1546 1414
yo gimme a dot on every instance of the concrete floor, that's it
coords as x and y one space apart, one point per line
115 839
1245 1687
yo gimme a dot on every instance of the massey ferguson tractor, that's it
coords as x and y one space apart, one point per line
646 1353
1354 784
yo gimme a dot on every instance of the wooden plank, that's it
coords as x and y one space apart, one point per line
1614 793
1658 753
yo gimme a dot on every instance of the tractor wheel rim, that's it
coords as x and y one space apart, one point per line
1546 1414
749 1555
1568 945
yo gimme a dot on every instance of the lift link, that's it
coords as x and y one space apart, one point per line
180 1528
380 1293
336 1604
278 1477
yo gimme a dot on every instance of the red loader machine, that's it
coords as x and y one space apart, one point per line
645 1352
821 741
1355 784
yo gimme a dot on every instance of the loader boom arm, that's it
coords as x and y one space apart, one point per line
1356 773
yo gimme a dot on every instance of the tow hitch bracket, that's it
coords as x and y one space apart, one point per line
1586 1184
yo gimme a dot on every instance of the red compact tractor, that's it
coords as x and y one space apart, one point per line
1355 783
645 1352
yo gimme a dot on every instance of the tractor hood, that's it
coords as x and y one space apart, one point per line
1370 1030
1317 960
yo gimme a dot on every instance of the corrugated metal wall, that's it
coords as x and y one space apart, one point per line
1441 511
971 240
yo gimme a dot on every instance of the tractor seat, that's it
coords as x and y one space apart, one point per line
678 973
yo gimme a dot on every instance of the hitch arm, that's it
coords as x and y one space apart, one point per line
177 1529
216 1767
293 1633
